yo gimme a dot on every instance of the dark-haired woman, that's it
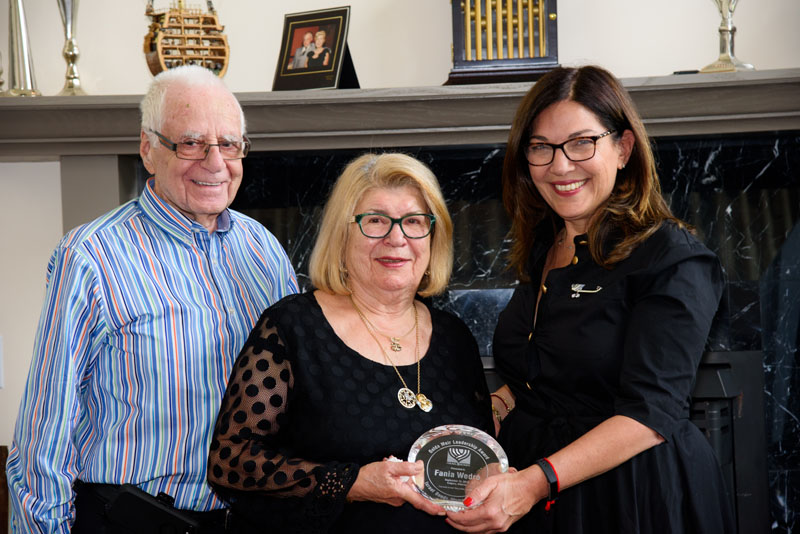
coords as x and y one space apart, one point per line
600 344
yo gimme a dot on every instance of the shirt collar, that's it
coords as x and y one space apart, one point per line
173 221
544 239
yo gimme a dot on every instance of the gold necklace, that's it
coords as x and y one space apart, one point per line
394 341
405 396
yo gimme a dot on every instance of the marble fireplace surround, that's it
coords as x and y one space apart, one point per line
728 145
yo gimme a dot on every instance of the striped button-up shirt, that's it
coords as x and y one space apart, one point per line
144 314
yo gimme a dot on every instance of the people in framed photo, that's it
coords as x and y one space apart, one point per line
313 47
300 58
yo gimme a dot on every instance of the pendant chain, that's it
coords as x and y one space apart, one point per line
394 341
419 399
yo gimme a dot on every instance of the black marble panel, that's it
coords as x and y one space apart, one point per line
740 192
785 500
780 304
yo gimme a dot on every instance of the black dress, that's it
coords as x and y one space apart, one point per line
625 341
303 411
319 61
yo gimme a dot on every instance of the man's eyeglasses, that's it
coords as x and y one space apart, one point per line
378 225
197 149
575 149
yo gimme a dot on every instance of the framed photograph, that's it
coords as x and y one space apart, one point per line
313 50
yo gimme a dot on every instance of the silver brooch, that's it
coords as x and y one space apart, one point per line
577 289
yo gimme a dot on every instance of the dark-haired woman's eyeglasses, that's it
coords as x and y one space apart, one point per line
378 225
575 149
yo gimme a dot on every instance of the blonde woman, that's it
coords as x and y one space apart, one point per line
334 381
320 56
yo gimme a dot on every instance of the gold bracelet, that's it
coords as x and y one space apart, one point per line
497 414
505 404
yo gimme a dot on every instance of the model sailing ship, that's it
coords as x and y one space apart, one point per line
185 36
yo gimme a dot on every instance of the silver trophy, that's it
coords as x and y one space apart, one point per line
21 81
69 16
727 62
1 75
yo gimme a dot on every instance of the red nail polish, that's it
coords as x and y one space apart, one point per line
468 502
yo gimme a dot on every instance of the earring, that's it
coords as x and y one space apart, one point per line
344 277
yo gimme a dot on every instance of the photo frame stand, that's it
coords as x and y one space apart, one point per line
314 52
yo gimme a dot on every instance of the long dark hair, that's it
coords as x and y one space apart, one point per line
635 208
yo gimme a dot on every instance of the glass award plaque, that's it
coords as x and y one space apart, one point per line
457 458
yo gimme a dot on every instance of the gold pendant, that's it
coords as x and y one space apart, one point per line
406 398
424 403
395 344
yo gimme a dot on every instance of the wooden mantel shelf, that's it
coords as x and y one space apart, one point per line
46 128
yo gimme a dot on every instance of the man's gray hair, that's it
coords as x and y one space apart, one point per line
152 105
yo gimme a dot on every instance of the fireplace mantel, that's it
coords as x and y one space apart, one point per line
47 128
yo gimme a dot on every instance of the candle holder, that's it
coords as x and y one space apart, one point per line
20 66
2 93
69 16
726 62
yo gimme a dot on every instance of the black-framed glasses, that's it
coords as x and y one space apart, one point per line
378 225
197 149
575 149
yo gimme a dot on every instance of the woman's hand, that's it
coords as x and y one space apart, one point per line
499 501
496 425
386 482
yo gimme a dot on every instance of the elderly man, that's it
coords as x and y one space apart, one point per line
300 60
145 311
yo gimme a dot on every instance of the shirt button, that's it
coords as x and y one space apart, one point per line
574 260
544 288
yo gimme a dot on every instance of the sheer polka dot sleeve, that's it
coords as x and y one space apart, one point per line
247 451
